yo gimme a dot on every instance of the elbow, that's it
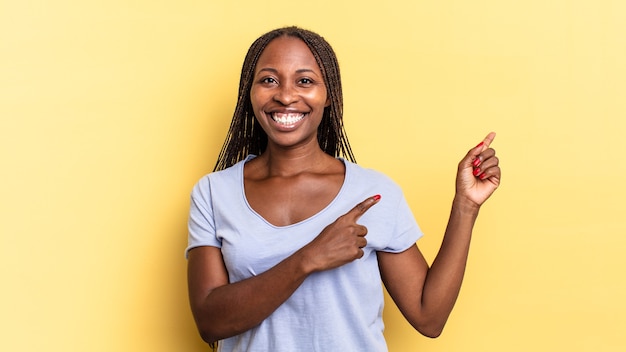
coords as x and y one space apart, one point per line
431 329
208 337
208 332
429 323
432 333
211 333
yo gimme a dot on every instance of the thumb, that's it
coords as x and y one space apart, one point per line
360 209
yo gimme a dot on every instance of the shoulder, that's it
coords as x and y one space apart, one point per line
369 177
222 179
365 182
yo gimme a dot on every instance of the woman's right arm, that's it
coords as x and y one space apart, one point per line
222 309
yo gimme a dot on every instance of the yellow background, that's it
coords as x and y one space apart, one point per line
111 110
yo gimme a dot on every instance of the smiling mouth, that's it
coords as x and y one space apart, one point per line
287 119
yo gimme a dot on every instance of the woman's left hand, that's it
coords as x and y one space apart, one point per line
478 174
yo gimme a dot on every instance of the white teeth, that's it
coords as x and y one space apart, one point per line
287 119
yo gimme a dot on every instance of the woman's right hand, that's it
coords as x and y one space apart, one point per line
340 242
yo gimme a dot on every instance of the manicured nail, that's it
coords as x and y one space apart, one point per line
476 171
376 197
483 176
480 144
476 162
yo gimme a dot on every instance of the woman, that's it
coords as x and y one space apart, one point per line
289 242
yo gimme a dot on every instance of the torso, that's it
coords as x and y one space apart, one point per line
284 200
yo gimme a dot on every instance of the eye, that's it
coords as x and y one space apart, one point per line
305 81
268 80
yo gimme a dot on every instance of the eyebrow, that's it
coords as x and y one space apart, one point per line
273 70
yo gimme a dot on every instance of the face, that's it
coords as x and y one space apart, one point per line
288 93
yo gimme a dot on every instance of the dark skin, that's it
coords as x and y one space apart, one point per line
285 197
293 180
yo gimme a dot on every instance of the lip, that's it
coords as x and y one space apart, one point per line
287 120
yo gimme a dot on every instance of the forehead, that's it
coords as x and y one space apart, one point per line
288 53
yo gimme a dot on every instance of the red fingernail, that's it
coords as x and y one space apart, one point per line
476 171
376 197
476 162
479 144
483 176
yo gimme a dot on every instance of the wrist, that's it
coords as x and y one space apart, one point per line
465 205
305 263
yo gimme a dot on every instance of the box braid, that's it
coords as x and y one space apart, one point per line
245 135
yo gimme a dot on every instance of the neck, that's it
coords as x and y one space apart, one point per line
281 162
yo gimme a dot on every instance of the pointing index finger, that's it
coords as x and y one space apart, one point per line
362 207
487 141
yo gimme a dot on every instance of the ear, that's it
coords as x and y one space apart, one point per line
327 104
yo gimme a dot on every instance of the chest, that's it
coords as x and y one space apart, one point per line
284 201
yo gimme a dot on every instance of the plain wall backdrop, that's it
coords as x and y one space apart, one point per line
110 111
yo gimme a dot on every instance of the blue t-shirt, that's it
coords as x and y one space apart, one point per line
334 310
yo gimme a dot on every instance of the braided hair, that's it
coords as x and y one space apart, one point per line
245 135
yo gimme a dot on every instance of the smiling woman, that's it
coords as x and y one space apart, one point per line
288 94
246 136
287 237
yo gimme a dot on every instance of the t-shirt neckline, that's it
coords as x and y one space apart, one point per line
310 218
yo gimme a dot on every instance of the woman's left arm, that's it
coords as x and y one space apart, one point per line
424 295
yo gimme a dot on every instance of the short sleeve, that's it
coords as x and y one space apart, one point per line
201 222
406 231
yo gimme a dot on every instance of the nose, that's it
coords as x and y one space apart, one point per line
286 94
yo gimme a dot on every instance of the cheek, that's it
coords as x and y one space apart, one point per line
256 102
326 98
319 98
260 99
